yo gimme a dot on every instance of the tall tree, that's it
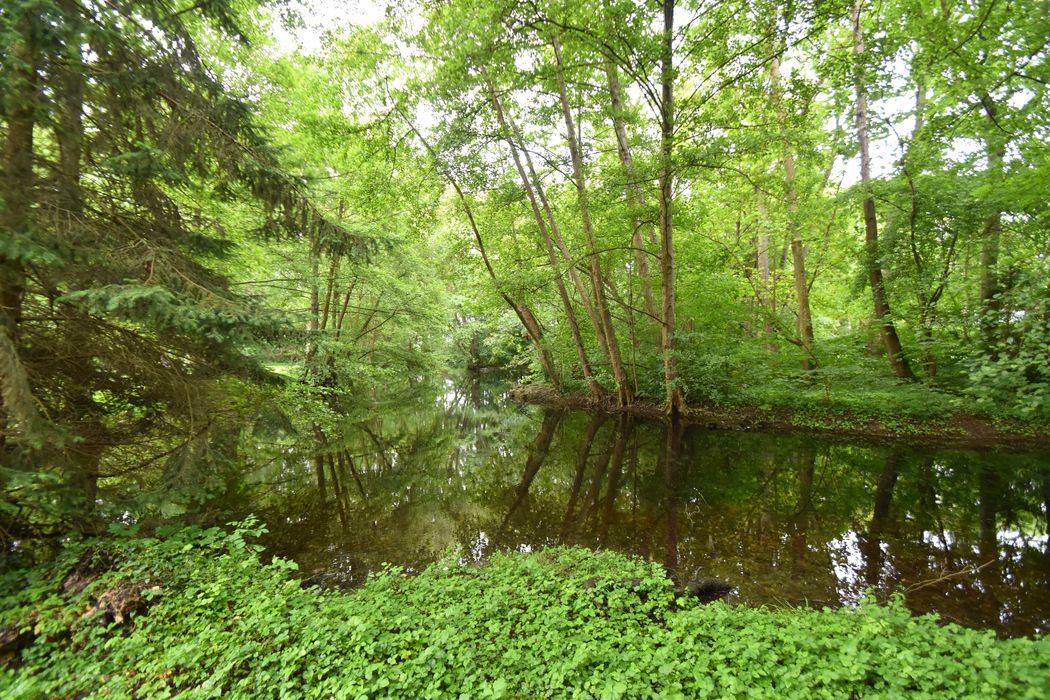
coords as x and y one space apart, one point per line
873 261
674 395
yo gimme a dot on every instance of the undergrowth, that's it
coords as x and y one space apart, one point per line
211 619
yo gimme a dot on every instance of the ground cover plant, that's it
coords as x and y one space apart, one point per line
196 613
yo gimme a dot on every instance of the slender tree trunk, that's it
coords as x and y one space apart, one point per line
17 179
635 193
342 311
552 256
521 310
766 288
675 400
990 288
623 384
794 229
16 189
555 234
890 339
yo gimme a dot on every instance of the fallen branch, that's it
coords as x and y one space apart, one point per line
946 577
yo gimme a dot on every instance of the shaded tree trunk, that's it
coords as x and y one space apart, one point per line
890 339
635 194
675 399
552 256
16 188
804 326
623 386
17 180
990 304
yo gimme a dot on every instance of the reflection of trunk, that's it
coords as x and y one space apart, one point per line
590 501
807 459
672 450
322 487
635 194
890 339
871 543
581 469
597 278
930 507
624 427
794 227
339 493
353 472
548 242
988 489
537 456
675 399
1045 483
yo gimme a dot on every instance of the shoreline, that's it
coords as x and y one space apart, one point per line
958 430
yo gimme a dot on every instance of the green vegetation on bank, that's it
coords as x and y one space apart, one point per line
196 613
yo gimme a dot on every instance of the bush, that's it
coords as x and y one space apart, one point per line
216 621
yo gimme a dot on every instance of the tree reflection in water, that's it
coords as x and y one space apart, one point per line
787 519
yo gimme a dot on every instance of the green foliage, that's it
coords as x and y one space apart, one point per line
214 620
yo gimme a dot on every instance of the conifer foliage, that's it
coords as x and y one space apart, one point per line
115 322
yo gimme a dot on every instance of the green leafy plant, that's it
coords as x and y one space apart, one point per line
211 619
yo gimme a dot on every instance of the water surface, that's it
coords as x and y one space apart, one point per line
787 519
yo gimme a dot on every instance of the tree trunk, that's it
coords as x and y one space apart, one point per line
521 310
16 189
794 229
890 339
552 256
990 304
18 181
623 386
635 194
675 400
555 234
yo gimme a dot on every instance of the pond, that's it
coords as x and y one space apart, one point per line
787 519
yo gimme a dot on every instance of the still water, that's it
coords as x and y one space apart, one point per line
458 470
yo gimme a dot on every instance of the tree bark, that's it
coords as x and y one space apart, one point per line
635 194
556 237
990 305
804 323
890 339
675 399
623 386
552 256
16 189
521 310
18 180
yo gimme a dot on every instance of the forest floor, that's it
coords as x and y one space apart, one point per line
947 429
